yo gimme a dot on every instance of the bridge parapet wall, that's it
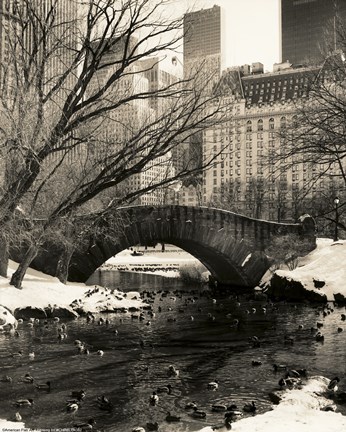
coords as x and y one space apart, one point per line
230 245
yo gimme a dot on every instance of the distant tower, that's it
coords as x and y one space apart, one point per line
302 27
202 41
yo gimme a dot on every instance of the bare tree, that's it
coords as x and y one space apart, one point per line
314 140
65 140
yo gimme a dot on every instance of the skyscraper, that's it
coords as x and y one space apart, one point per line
303 24
202 41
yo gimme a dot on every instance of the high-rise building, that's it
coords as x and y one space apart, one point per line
202 42
119 126
202 64
303 28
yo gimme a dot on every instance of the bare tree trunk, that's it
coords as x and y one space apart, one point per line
64 263
3 256
18 275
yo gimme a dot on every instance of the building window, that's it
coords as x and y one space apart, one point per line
260 125
283 122
249 126
271 123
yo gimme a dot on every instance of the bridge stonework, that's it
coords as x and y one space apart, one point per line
230 245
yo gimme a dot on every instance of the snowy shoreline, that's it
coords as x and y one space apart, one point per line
300 410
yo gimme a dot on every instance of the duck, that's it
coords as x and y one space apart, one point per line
164 389
28 379
319 337
235 323
291 373
56 319
256 363
226 426
17 354
31 355
72 407
79 394
138 429
255 341
6 378
291 382
279 367
250 407
100 353
233 412
172 418
302 372
172 371
218 408
104 403
154 399
17 417
152 426
213 385
190 405
198 413
45 386
333 384
85 426
24 402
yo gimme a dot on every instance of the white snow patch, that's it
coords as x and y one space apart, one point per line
325 263
6 425
246 260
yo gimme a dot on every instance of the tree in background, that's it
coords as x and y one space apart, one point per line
66 146
315 138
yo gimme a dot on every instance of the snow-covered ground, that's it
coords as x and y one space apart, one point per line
153 261
324 264
43 291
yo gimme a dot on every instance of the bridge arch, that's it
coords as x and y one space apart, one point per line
229 245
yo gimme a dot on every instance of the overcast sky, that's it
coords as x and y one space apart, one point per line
250 27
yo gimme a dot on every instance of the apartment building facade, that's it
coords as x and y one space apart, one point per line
248 176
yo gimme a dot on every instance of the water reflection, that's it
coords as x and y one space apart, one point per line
192 332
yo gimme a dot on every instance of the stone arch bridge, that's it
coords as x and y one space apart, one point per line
230 245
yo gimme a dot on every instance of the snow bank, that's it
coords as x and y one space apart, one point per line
44 291
323 266
299 410
6 425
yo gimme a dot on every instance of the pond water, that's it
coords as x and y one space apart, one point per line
191 331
